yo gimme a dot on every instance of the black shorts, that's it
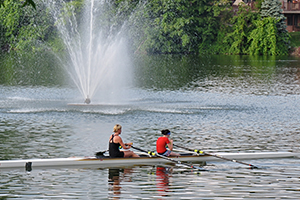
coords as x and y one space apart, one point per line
119 154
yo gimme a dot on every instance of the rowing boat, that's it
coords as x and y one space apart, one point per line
105 161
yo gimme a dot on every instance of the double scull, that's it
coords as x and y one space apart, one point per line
105 161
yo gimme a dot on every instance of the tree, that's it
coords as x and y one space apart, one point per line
23 27
263 39
25 3
181 26
272 8
241 27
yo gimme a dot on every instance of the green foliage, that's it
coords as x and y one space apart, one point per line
258 33
10 18
295 39
25 3
270 36
23 27
242 25
157 26
258 4
215 24
180 26
29 2
272 8
263 38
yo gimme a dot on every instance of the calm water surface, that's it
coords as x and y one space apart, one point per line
215 103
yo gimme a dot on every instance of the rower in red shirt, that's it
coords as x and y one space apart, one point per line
162 142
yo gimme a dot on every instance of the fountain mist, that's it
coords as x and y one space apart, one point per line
98 62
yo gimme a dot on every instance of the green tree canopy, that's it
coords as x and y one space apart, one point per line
181 26
158 26
22 27
25 3
241 26
271 36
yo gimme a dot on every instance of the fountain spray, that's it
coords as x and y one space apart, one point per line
97 59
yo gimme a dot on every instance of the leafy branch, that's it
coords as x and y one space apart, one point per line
25 3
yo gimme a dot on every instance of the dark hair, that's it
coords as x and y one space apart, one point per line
165 131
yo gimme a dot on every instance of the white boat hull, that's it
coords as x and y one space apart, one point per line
121 162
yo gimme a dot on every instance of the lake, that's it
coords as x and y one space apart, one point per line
214 103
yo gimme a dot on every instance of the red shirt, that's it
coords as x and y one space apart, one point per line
161 144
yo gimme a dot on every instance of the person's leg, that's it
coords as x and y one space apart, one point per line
167 153
174 154
128 154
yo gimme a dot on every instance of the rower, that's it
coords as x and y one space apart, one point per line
162 142
115 141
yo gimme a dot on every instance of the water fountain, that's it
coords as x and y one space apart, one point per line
98 62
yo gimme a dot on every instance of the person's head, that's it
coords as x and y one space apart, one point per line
166 132
117 127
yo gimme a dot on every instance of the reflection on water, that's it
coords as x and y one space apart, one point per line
115 177
221 74
30 69
162 178
114 181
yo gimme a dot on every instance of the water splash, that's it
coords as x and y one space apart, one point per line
98 60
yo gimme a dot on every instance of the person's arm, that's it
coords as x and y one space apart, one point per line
170 145
119 140
129 144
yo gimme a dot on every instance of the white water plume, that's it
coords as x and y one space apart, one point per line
98 60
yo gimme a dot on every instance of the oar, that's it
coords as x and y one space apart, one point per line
217 156
170 159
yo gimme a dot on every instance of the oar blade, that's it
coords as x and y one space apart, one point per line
100 153
254 167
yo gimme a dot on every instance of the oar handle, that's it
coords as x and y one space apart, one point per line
215 155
